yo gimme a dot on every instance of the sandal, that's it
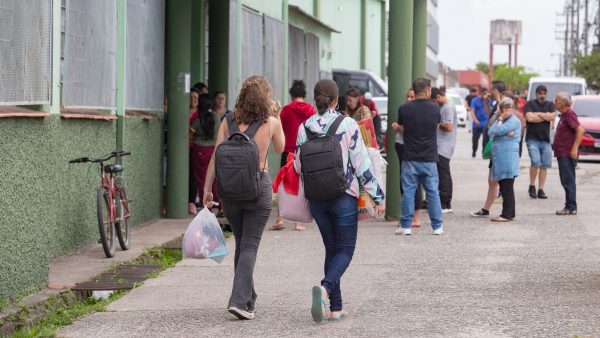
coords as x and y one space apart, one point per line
342 316
277 226
320 301
299 227
501 219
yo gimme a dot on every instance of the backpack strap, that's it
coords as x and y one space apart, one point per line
232 125
334 126
252 129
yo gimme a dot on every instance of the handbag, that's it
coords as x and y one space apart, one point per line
487 151
294 208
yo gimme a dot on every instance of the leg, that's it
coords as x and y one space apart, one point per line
399 149
566 169
492 192
345 227
533 172
445 186
476 134
235 217
431 184
409 184
543 176
508 198
377 127
255 217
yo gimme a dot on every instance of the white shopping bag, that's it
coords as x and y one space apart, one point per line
204 238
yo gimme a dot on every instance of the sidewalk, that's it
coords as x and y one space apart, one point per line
537 276
66 271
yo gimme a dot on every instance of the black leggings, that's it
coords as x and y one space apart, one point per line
192 184
508 197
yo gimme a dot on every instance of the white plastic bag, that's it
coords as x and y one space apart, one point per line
293 208
204 238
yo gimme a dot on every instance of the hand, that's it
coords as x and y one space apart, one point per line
574 153
511 134
208 199
395 126
476 121
380 210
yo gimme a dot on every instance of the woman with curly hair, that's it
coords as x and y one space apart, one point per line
248 219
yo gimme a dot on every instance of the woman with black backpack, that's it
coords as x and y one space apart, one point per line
334 164
240 165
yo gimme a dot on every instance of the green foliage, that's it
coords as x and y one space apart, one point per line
515 78
588 67
164 257
66 314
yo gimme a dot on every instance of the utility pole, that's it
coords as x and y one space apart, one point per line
566 54
586 29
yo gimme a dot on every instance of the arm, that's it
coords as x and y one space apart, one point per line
210 171
499 128
447 119
446 127
278 137
579 131
358 156
299 142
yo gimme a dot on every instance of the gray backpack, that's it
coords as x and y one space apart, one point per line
322 164
237 163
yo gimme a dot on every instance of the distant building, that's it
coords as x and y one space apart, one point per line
473 79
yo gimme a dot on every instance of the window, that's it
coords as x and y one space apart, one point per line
375 90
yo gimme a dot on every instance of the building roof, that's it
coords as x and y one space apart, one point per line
473 78
312 18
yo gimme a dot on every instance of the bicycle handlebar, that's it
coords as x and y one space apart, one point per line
104 159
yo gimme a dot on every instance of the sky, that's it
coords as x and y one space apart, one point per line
465 30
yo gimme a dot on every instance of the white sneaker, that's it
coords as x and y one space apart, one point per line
447 211
438 231
403 231
241 314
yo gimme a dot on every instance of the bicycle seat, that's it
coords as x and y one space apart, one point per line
113 168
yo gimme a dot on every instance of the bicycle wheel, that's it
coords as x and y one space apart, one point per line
123 216
106 226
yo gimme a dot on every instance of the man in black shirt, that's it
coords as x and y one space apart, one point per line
419 121
539 114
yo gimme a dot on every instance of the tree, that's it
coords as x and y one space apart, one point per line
588 67
515 78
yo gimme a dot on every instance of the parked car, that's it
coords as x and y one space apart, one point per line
587 108
571 85
459 103
364 80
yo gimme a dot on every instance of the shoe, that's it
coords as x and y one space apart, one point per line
532 192
319 304
473 155
566 212
438 231
541 194
403 231
240 314
480 213
447 211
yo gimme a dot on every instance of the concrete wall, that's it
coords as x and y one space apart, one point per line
344 16
373 43
49 206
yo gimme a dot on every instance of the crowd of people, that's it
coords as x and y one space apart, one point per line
329 152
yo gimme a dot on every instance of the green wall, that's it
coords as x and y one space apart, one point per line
344 16
48 206
373 34
324 38
306 5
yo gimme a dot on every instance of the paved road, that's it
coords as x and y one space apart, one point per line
538 276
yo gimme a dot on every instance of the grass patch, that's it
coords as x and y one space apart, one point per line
164 257
66 314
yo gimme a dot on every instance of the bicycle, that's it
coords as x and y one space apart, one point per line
112 204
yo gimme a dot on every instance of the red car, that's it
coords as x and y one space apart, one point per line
587 108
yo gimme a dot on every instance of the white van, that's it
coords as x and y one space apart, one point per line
572 85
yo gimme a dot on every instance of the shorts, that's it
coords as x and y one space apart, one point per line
540 153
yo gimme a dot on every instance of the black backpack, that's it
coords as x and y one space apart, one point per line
322 164
237 164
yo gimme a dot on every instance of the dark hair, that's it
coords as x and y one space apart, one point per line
353 91
195 90
253 104
483 90
326 92
298 89
435 92
473 90
499 86
200 86
420 85
215 94
541 88
207 120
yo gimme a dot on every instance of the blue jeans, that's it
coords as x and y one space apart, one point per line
540 153
425 173
566 171
338 223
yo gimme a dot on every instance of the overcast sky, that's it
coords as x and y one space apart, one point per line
465 31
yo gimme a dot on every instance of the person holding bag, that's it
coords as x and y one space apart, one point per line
240 166
333 162
506 134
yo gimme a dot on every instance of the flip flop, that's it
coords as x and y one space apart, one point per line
277 227
341 317
319 304
501 219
